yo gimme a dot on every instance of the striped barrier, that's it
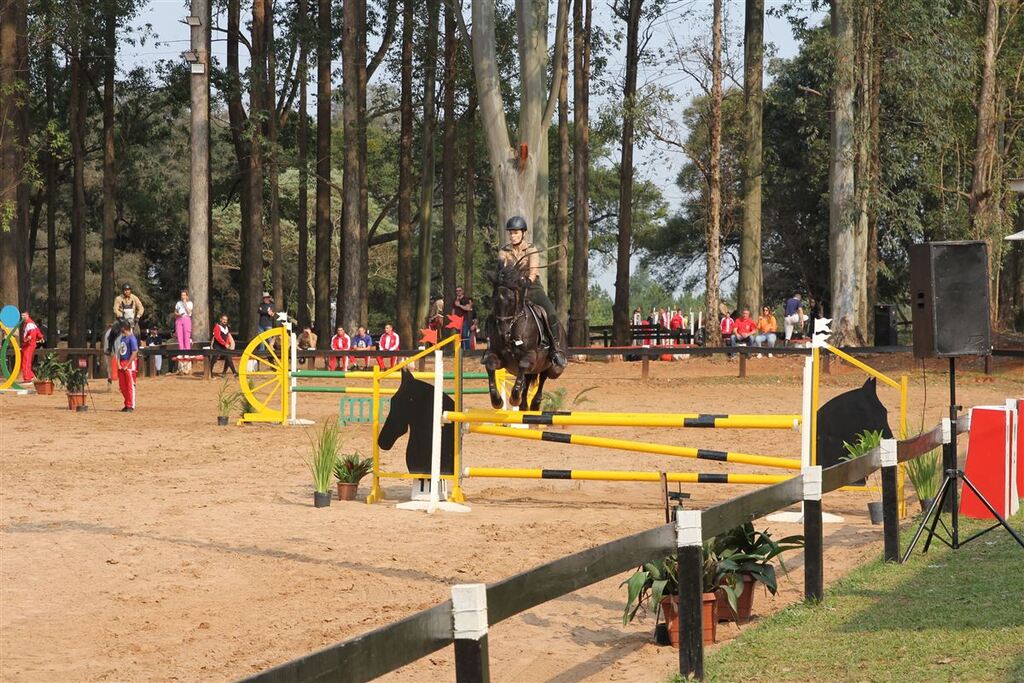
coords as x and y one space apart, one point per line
595 419
638 446
617 475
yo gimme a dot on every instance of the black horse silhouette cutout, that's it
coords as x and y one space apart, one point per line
412 410
846 416
515 340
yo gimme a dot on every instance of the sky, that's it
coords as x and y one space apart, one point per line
683 22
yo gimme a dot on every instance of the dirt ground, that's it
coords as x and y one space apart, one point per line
158 545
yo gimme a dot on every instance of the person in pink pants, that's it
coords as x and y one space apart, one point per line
183 321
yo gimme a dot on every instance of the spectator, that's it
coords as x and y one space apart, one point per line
362 340
815 311
638 317
726 326
745 329
154 338
111 339
652 319
306 341
794 314
474 330
127 368
389 341
30 336
266 313
339 342
767 327
223 340
435 319
463 307
676 324
183 321
128 306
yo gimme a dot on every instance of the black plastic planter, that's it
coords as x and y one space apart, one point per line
222 420
926 503
321 500
875 511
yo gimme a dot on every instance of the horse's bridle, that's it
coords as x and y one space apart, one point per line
519 312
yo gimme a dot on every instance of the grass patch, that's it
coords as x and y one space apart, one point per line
944 616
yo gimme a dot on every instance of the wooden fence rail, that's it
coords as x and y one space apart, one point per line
399 644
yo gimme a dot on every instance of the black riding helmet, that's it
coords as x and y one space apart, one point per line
516 223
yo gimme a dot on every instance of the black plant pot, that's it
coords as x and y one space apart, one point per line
222 420
926 503
875 511
321 500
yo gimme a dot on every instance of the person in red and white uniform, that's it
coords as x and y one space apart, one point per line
127 365
30 336
388 342
223 341
340 342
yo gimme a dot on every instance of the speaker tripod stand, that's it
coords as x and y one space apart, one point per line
948 492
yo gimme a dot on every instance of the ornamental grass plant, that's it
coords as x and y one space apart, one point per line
324 456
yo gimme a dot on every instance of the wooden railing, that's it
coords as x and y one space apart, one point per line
464 620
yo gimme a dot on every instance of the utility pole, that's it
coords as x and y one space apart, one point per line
198 58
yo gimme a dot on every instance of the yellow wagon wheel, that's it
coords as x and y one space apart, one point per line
10 337
263 376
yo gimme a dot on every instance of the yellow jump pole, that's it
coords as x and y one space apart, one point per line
901 482
456 495
376 493
617 475
628 419
637 446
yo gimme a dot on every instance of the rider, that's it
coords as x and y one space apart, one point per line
516 248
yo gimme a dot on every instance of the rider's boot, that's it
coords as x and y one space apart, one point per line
554 329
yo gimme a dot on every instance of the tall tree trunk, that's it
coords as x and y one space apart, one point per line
277 255
865 50
238 120
11 157
50 178
302 218
109 177
560 269
621 310
843 242
350 266
199 177
874 165
403 293
984 207
581 22
470 237
27 234
713 336
427 177
322 267
751 274
364 178
252 242
448 156
534 116
77 105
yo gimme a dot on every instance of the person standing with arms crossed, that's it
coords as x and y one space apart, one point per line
183 321
127 366
30 336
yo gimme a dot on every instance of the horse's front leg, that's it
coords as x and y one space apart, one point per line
535 404
491 363
518 388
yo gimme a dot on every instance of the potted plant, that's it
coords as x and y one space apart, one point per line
656 584
46 373
74 380
227 401
745 559
867 441
349 470
925 473
321 463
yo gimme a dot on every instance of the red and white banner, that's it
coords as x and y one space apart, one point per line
995 444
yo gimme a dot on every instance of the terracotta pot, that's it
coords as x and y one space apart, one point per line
44 387
709 617
75 400
744 603
347 491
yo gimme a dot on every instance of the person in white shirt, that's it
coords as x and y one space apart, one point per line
183 321
388 342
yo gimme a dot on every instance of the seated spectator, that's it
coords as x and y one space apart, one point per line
154 338
306 341
744 329
676 324
340 342
362 340
388 342
767 327
225 343
727 325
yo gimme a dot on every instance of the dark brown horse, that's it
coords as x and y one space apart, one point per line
515 338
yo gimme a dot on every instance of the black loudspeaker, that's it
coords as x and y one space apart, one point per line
885 326
949 299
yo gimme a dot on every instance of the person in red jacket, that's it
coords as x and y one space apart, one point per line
340 342
223 340
745 329
30 336
388 342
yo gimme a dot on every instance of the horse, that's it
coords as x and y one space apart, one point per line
516 341
412 411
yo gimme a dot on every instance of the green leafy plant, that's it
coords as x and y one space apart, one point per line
350 468
925 473
553 400
581 397
656 580
324 456
49 368
71 377
227 400
866 441
744 551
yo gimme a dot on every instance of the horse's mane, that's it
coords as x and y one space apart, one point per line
512 274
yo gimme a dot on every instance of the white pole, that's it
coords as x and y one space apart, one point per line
292 381
693 323
435 443
805 422
700 321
